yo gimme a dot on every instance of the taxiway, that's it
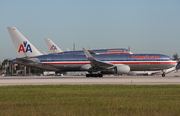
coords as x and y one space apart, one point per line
49 80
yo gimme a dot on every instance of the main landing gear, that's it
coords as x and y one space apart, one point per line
163 75
94 75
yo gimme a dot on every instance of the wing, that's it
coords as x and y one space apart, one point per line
96 64
91 51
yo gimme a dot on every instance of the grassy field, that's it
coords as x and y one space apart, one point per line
145 100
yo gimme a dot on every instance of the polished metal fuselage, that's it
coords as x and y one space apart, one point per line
136 62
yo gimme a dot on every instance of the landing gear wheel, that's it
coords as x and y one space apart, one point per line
96 75
163 75
100 75
87 75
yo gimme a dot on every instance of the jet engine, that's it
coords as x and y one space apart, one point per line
122 69
118 69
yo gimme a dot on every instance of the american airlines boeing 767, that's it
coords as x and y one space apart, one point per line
54 49
101 64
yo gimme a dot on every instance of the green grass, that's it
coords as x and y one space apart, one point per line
36 100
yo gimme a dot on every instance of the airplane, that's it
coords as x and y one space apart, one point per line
97 65
54 49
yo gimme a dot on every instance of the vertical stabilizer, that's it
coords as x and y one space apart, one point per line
23 47
68 49
44 53
54 49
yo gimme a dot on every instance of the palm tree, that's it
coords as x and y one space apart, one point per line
5 65
176 57
0 66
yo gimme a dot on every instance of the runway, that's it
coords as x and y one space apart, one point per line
56 80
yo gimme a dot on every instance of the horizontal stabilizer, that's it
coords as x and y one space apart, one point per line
25 60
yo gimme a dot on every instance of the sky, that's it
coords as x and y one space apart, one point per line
147 26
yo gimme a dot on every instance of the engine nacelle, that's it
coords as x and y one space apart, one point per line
122 69
118 69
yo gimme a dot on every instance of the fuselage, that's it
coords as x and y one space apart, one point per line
100 51
136 62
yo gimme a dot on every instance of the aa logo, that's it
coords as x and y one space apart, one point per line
53 47
24 47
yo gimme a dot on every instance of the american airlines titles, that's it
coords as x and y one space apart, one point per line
145 57
115 50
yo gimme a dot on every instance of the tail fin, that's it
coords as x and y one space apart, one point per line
44 53
68 49
23 47
53 47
